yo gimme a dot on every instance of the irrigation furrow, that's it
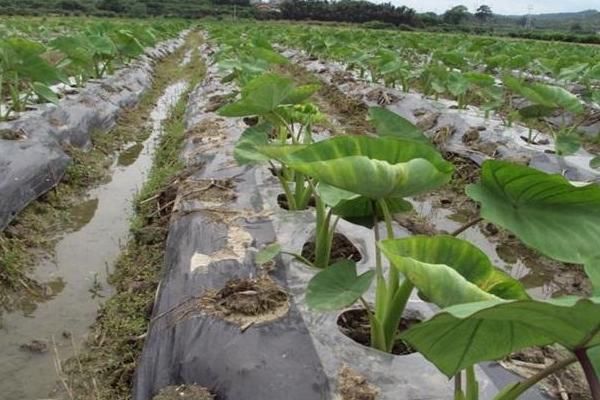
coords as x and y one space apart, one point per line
77 274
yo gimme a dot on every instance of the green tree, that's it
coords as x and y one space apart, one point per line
484 13
456 15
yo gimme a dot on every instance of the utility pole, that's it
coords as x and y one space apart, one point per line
235 12
529 21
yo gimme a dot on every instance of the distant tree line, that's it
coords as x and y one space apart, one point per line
347 11
132 8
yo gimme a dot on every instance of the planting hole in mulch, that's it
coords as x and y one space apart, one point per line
283 202
251 121
8 134
245 302
184 392
355 324
341 249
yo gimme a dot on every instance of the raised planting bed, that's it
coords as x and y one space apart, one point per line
237 322
34 147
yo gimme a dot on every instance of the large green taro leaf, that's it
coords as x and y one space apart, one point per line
450 271
545 95
388 123
465 334
545 211
376 168
554 96
262 95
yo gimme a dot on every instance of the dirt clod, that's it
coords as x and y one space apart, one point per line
242 301
353 386
442 135
382 97
35 346
471 136
428 120
250 296
183 392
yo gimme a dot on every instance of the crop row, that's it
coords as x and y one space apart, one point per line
550 86
30 68
485 313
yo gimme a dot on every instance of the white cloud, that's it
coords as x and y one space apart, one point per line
501 6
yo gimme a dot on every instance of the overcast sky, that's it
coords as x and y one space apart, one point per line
501 6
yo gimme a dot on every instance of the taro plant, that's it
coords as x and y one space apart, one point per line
24 73
332 203
479 322
546 100
244 62
432 264
379 172
278 104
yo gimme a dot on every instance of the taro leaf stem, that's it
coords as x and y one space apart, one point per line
515 391
590 372
299 258
377 336
458 393
396 296
472 384
466 226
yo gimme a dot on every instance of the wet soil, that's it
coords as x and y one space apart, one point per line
355 324
341 249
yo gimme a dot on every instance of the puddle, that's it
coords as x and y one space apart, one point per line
76 274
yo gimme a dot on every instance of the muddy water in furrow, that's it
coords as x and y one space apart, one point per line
77 272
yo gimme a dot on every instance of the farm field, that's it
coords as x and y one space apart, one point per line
314 212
